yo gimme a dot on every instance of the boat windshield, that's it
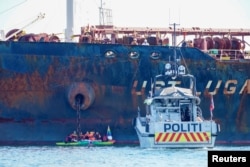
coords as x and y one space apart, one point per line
163 81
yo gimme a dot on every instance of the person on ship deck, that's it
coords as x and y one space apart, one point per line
134 42
145 42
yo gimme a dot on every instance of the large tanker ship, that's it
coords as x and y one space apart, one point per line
41 79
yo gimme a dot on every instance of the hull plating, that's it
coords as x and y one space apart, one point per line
37 89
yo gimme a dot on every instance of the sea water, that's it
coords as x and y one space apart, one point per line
112 156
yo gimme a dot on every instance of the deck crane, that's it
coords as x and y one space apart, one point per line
39 17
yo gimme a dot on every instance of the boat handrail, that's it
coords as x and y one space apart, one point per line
166 107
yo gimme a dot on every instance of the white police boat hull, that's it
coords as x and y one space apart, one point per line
173 116
176 135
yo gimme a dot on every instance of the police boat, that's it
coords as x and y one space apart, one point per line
173 117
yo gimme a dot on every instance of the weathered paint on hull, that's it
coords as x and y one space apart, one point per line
36 81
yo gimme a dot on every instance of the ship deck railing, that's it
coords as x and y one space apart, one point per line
228 54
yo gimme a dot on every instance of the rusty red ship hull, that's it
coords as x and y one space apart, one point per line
40 81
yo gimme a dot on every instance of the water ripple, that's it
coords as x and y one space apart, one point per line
47 156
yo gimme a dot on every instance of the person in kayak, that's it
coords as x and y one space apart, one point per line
81 136
98 136
73 136
68 139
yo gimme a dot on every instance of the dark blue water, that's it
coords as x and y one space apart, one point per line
53 156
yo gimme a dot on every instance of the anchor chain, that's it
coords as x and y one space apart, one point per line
78 118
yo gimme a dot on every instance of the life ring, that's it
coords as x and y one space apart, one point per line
81 91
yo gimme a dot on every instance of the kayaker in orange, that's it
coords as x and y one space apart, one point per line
92 135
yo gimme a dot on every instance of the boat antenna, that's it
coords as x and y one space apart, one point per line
174 45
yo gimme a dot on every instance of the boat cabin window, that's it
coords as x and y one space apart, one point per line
166 110
173 110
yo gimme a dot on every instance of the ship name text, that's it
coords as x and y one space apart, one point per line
230 87
176 127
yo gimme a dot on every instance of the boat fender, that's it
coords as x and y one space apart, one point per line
83 91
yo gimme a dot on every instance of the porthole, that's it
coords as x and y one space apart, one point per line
155 55
110 54
134 55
